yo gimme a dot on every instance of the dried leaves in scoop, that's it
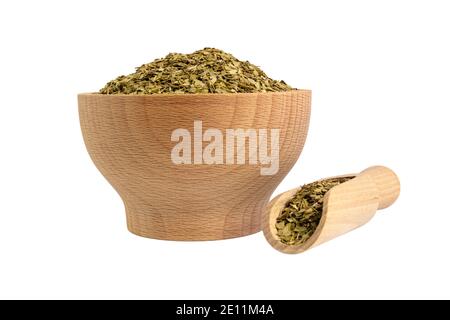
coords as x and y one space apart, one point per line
205 71
301 215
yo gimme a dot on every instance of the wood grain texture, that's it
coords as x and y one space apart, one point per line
346 207
129 139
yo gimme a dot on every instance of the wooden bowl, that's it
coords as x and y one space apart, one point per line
129 138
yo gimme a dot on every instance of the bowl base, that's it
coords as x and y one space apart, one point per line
192 225
193 237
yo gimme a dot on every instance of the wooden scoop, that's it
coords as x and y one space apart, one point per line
346 207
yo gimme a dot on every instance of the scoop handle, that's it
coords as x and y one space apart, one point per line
387 183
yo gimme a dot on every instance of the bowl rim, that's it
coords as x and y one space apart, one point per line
179 95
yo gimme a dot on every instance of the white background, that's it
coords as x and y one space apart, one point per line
380 76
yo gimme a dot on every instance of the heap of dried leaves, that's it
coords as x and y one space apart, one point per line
301 215
205 71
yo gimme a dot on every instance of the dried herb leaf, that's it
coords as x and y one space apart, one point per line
301 214
204 71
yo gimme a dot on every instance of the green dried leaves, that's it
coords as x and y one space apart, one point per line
301 215
205 71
